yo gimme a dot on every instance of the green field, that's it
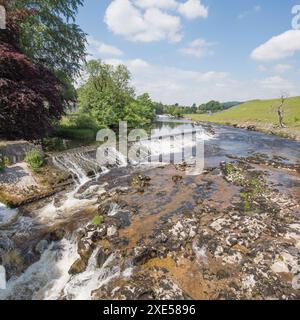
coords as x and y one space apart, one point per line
260 113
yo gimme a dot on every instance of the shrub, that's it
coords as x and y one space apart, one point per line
97 221
79 121
34 159
4 162
75 134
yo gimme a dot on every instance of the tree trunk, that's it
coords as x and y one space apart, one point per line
280 116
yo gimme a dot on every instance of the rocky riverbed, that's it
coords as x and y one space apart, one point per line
232 232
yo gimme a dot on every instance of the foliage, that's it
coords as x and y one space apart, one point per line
79 120
77 126
4 162
34 159
75 134
49 36
31 97
178 111
97 221
214 106
140 111
172 110
108 96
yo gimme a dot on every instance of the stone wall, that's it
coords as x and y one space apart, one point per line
16 151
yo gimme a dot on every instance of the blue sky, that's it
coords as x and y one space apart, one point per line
190 51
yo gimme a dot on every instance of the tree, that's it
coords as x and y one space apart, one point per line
50 38
280 109
106 92
48 34
140 111
31 97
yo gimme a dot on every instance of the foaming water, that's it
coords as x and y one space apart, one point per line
7 215
49 278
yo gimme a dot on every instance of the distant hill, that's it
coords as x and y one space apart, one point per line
260 113
214 106
230 104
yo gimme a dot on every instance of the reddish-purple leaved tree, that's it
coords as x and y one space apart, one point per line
30 96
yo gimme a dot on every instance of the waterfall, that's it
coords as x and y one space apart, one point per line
49 277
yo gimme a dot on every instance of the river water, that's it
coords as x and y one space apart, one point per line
48 277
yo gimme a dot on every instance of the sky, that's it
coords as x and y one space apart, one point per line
193 51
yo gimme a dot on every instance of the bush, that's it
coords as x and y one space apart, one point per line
75 134
97 221
34 159
79 121
4 162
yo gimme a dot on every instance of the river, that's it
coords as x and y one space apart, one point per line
43 239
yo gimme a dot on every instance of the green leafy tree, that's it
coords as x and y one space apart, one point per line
106 92
140 111
50 37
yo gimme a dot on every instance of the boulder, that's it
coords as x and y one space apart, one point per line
101 256
78 266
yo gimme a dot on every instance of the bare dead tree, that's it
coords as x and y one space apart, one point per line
280 109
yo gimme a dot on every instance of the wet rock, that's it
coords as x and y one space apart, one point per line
6 243
77 267
122 219
91 227
57 235
177 178
112 231
41 246
251 128
84 249
181 166
143 254
222 274
101 256
99 234
141 181
143 285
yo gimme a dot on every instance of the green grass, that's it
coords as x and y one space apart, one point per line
34 159
261 113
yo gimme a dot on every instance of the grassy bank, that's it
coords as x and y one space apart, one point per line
259 113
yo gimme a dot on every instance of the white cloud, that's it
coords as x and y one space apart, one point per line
152 24
262 68
97 48
198 48
244 14
279 47
163 4
282 68
192 9
134 65
171 85
276 83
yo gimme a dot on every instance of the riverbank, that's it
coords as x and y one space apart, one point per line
286 133
259 115
19 185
